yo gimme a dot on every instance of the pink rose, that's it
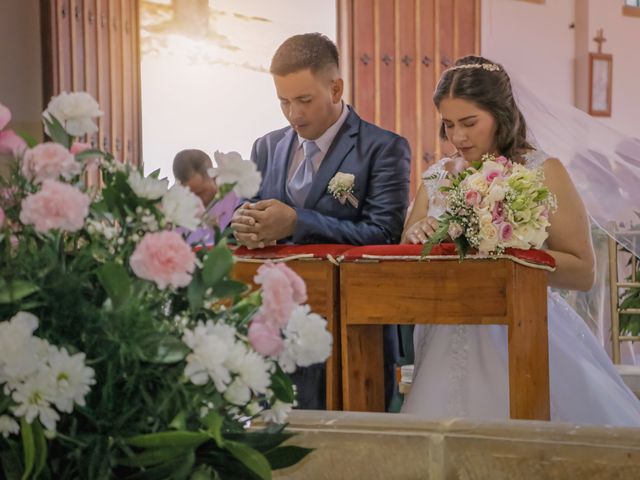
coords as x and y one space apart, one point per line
5 116
56 206
505 231
2 217
265 338
164 258
472 197
497 214
502 160
79 147
49 161
11 143
282 291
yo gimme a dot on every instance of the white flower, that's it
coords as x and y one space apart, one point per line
17 356
254 408
341 183
147 187
307 340
254 372
8 426
232 169
496 193
73 379
278 413
182 208
33 399
75 112
238 393
476 182
488 238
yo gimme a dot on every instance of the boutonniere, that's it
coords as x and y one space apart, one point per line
341 187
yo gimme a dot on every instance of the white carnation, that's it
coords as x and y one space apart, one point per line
232 169
307 340
75 112
238 393
147 187
182 208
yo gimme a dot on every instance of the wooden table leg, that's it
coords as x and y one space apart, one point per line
362 368
528 344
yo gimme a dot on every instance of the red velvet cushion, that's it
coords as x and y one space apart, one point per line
283 251
537 257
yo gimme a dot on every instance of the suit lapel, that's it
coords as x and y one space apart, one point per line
340 147
281 156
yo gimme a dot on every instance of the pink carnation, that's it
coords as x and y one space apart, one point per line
265 338
472 197
164 258
49 161
56 206
282 291
505 231
11 143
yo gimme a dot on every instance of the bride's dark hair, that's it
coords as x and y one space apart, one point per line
486 84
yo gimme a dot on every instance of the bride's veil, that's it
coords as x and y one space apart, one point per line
603 163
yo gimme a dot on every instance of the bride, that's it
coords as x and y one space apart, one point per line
462 371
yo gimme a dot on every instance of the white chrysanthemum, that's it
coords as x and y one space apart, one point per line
33 398
147 187
307 340
182 208
211 349
278 413
232 169
8 426
73 379
75 112
17 356
238 392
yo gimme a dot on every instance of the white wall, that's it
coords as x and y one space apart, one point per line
20 62
203 95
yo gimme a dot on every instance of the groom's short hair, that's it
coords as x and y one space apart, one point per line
313 51
189 162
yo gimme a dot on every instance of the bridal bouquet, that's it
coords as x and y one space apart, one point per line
125 352
493 205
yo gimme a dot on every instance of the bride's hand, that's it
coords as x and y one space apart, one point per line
420 231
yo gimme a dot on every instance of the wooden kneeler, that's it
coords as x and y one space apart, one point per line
317 266
392 285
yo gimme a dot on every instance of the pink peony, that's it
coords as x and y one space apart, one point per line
497 214
282 291
11 143
265 338
56 206
5 116
472 197
505 230
49 161
164 258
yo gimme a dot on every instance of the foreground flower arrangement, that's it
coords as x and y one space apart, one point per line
124 351
493 205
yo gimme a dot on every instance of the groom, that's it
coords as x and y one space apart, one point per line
325 138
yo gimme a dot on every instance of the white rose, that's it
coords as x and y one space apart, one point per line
75 112
477 182
342 181
232 169
147 187
181 207
496 193
491 165
488 238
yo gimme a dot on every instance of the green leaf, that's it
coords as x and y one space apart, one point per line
28 447
16 290
56 131
11 466
261 441
41 450
213 422
282 386
90 153
195 292
172 469
286 456
150 457
179 439
116 282
229 288
168 350
250 458
217 265
29 140
205 472
179 422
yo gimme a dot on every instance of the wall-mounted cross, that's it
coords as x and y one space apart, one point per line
599 39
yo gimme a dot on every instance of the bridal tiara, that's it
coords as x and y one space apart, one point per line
490 67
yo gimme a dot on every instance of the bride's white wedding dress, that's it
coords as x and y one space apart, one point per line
462 370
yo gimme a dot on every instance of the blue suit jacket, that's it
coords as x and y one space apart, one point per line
379 160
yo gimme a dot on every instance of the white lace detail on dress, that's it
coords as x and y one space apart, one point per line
458 375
